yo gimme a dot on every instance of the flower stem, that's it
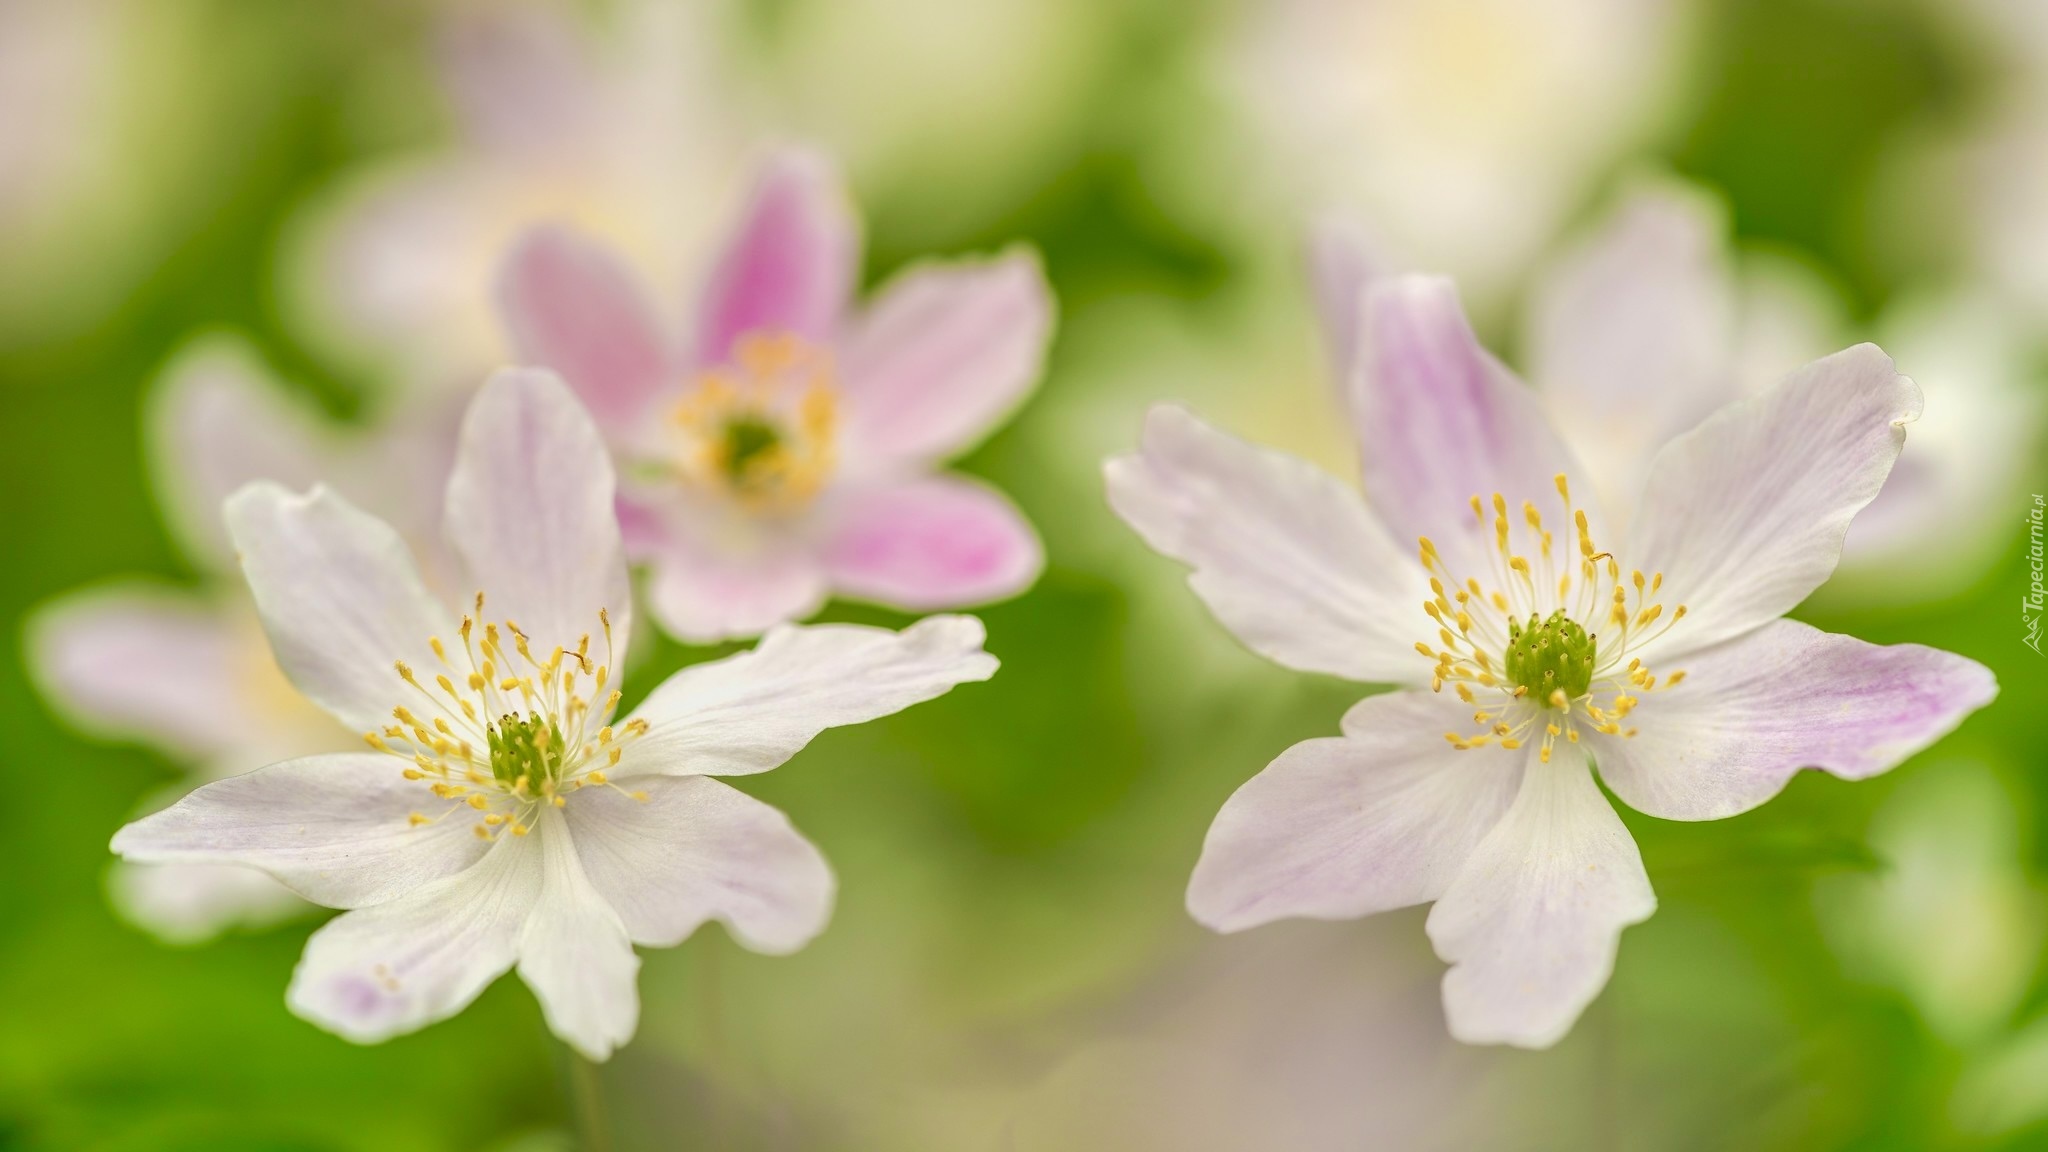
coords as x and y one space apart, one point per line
586 1102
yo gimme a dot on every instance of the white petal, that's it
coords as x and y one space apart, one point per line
399 966
1755 710
193 903
1343 261
696 850
1531 924
1440 421
1745 514
1336 828
335 829
1631 335
1286 557
141 663
339 597
530 511
750 712
574 953
218 420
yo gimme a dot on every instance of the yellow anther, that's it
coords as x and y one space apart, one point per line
1673 679
1464 693
415 820
640 796
477 800
1563 489
599 779
415 774
440 653
404 673
519 829
482 833
1511 743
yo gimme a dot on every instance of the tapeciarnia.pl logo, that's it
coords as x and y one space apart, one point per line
2036 600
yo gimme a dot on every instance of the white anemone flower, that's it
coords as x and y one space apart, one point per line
501 815
1529 650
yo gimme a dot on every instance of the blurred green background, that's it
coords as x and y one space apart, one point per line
1009 967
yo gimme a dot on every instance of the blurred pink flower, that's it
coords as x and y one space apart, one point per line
1678 677
788 449
502 816
186 671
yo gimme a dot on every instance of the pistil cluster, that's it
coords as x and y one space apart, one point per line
761 428
1513 644
500 732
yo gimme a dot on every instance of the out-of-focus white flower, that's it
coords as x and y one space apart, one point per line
1464 131
502 816
1951 920
633 133
187 672
1678 676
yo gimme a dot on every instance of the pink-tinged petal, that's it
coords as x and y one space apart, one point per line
1286 557
1441 421
937 542
1382 817
1531 924
335 829
1631 334
702 594
193 903
791 264
1753 711
1342 263
218 419
750 712
530 511
945 353
141 664
339 596
1745 514
698 850
574 308
399 966
574 953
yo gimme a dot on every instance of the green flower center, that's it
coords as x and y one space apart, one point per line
531 748
1546 656
749 442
